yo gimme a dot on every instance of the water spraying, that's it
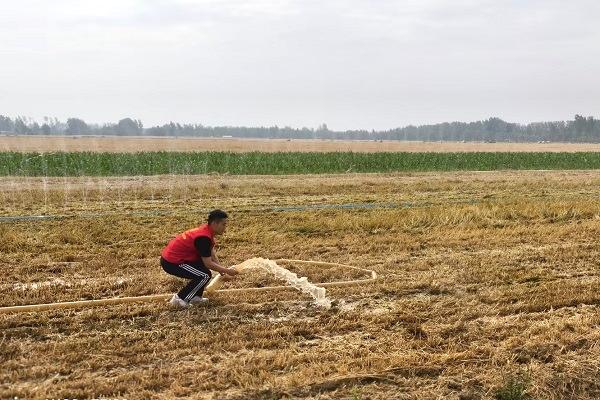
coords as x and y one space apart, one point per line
300 283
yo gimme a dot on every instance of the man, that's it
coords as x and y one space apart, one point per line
191 255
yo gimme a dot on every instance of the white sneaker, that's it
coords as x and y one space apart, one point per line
177 302
197 300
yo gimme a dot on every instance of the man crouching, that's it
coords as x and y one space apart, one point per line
191 255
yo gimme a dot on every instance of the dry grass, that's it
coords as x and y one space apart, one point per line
129 145
485 277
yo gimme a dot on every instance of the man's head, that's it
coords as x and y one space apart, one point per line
217 220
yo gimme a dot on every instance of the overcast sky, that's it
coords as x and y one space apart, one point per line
374 64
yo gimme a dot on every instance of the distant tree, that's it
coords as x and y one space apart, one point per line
128 126
46 130
76 126
35 128
579 124
323 128
21 127
6 124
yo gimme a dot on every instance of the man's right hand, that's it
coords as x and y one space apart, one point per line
231 271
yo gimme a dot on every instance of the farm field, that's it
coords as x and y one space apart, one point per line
135 144
257 163
487 289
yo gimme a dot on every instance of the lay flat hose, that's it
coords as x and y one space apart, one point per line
212 287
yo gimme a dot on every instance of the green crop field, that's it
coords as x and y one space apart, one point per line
156 163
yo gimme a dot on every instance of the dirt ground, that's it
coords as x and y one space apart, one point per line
125 145
488 282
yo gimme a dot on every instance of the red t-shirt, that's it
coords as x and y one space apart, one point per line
183 249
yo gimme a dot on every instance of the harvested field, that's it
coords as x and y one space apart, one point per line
130 144
488 283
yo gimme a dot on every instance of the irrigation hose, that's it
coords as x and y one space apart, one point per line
211 287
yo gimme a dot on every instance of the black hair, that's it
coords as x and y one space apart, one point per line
216 215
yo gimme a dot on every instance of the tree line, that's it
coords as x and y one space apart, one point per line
580 129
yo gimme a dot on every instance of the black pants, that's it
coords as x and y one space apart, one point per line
198 274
